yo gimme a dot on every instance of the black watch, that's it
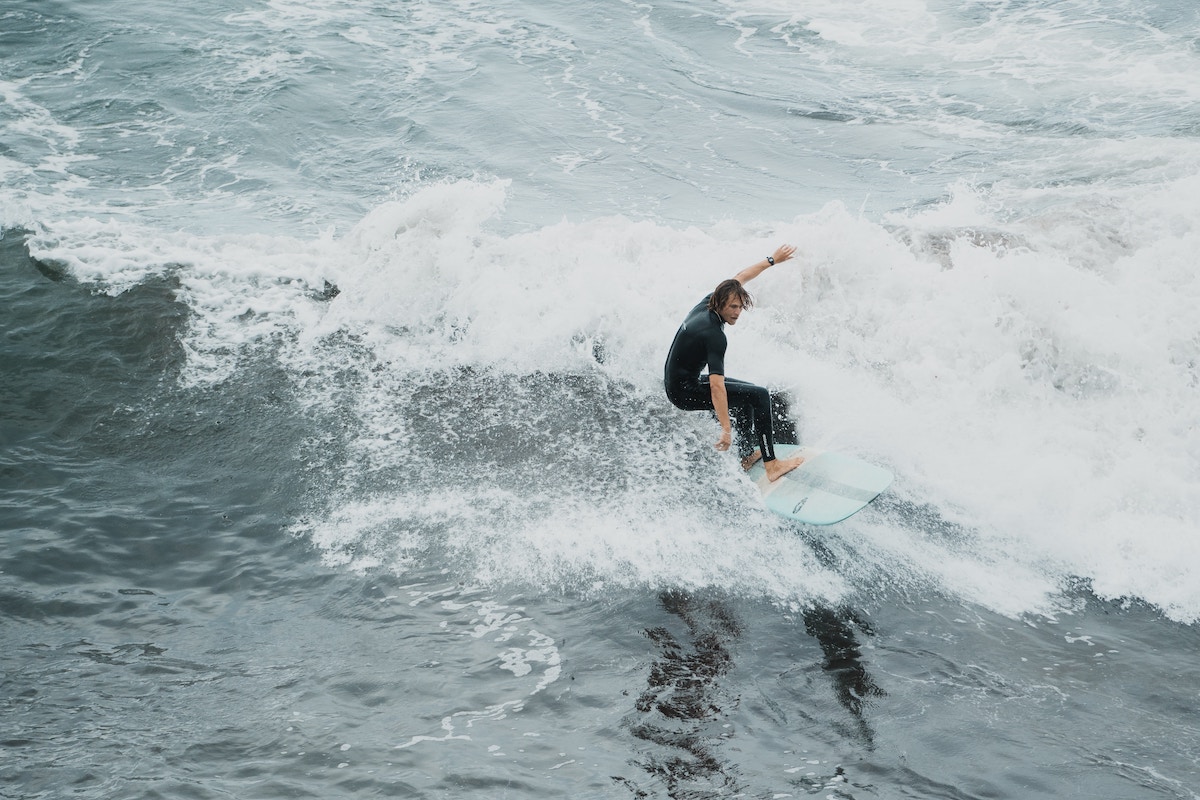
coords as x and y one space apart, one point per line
770 261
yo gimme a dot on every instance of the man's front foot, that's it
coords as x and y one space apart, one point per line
781 466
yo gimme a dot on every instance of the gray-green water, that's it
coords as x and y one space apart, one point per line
333 455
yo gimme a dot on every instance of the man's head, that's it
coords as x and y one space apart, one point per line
729 300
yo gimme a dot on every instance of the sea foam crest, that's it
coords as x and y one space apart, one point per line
1037 402
1040 401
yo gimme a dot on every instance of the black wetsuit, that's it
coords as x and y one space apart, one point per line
699 342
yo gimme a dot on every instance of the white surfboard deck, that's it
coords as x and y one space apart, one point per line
826 488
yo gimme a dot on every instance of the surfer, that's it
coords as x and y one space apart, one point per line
700 342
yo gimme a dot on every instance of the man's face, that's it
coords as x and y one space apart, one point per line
731 311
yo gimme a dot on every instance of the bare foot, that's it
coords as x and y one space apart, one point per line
781 466
750 460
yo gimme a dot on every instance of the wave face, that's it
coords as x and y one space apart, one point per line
505 399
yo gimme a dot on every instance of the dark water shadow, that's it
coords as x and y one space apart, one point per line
685 703
685 711
836 630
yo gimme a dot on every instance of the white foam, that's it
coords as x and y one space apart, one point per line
1047 404
41 149
969 70
243 290
1040 402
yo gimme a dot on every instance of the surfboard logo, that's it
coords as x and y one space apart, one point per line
799 505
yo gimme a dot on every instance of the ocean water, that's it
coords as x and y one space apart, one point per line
333 451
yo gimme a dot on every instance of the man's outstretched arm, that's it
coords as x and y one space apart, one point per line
782 253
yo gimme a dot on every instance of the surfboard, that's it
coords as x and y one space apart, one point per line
826 488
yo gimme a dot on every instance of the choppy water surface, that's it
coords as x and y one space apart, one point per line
334 456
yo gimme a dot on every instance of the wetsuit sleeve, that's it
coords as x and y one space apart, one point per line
716 344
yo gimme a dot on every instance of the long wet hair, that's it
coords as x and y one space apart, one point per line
726 291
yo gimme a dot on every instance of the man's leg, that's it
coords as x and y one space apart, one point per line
781 417
754 402
750 407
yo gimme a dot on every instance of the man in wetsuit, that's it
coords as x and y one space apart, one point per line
701 342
